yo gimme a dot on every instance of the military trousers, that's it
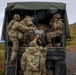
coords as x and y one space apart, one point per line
54 34
15 46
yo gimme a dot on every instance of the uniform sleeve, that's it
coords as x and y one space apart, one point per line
23 62
15 25
42 62
51 24
10 23
42 65
61 24
23 27
43 51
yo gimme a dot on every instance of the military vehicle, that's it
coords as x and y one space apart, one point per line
43 12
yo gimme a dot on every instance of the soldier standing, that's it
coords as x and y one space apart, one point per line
15 30
13 37
42 48
32 61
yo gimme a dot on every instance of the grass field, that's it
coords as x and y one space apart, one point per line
73 35
1 59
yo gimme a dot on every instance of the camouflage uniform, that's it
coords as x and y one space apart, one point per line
27 21
32 62
13 37
43 50
56 25
15 30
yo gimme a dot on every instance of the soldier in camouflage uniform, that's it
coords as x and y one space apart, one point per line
32 61
13 37
56 27
15 30
27 21
42 48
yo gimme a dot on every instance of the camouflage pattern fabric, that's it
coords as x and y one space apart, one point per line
23 27
27 26
43 51
57 29
49 40
14 48
56 25
11 23
43 27
13 55
17 28
54 34
20 29
28 21
15 32
32 61
13 37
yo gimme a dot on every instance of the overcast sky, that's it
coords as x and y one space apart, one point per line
70 6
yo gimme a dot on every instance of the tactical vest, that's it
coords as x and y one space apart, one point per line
13 32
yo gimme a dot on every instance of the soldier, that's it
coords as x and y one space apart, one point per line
32 61
15 30
27 21
56 27
34 41
13 37
41 45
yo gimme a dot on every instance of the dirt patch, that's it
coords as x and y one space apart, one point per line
71 48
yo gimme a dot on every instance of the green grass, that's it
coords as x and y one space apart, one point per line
1 59
73 36
70 43
1 72
1 46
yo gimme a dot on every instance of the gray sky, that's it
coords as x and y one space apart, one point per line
70 6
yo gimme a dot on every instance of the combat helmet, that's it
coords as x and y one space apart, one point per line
57 16
27 18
